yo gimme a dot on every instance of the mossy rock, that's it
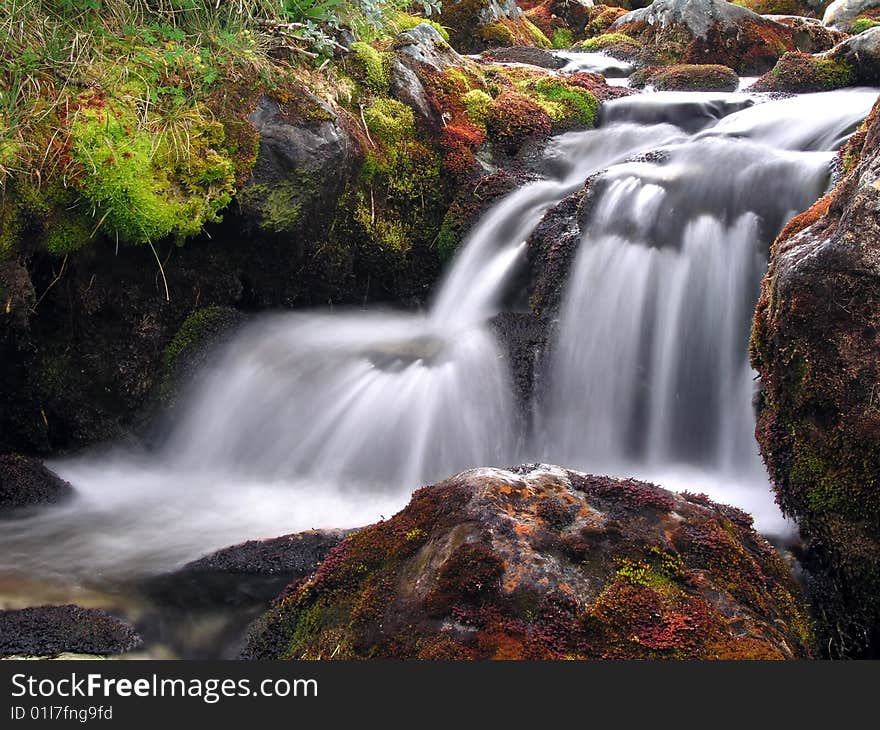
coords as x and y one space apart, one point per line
543 563
686 77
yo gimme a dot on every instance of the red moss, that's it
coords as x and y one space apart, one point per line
513 118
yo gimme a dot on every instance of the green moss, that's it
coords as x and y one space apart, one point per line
68 234
606 40
498 34
373 66
477 103
280 206
139 191
537 35
390 120
863 24
407 22
566 105
195 331
562 38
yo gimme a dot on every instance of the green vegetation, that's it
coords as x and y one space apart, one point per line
607 40
860 25
127 119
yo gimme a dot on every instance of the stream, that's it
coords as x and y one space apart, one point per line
316 420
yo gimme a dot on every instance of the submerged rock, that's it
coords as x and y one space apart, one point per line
48 631
25 482
707 32
543 563
815 345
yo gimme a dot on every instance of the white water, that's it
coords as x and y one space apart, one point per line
316 420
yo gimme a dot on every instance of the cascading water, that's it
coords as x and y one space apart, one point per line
317 420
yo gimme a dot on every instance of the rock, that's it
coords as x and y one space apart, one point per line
804 8
538 562
48 631
842 14
475 25
563 21
810 35
253 572
707 32
407 88
815 347
854 62
25 482
525 54
686 77
306 157
424 46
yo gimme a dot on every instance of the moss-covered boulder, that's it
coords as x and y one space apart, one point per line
815 345
542 563
563 21
854 62
25 482
686 77
475 25
707 32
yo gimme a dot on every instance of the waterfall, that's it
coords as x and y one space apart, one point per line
314 420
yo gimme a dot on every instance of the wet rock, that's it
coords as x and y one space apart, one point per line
843 14
48 631
538 562
854 62
306 157
706 32
525 54
407 88
253 572
686 77
810 35
26 482
815 347
524 337
475 25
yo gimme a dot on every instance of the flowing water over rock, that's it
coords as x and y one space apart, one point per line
319 420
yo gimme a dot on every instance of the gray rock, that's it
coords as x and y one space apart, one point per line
303 164
862 53
423 45
407 88
841 13
697 15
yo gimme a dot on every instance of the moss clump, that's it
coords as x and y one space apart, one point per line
142 193
390 120
513 118
477 103
372 67
860 25
405 22
606 40
567 105
686 77
562 38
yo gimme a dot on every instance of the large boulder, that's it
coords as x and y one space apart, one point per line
48 631
707 32
854 62
475 25
26 482
543 563
815 346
